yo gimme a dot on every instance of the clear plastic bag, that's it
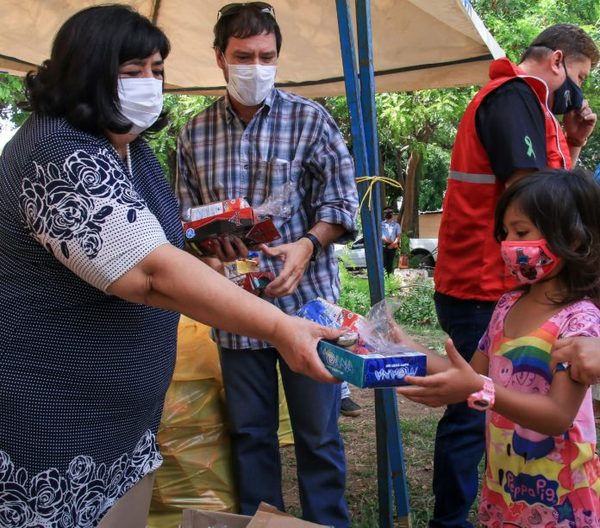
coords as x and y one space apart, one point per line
379 330
197 471
279 203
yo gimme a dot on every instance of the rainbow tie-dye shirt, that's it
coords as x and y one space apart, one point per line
531 479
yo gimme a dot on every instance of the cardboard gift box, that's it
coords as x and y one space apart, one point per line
362 363
254 281
266 517
245 272
203 225
372 370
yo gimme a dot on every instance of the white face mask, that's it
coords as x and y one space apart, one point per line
141 101
250 83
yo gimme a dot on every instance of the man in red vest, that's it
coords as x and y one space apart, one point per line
508 131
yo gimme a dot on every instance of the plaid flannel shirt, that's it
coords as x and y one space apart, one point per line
290 140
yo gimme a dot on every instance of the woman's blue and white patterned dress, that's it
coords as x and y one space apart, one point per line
82 373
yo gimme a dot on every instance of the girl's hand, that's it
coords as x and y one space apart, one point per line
453 385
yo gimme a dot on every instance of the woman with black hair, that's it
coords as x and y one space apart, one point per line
92 277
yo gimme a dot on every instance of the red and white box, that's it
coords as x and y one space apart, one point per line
205 224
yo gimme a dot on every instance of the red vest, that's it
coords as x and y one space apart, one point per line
469 265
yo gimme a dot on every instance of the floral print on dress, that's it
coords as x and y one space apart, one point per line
76 499
72 202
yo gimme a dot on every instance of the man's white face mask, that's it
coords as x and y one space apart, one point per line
141 101
250 84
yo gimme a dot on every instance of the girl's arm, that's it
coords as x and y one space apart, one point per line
449 380
550 414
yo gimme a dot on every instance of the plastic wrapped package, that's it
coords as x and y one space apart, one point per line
193 437
197 354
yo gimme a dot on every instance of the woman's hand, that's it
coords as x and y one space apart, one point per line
583 356
296 340
172 279
453 385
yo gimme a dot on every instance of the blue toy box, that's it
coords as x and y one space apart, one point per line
370 368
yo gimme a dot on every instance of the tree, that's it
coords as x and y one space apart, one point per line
407 124
12 93
181 109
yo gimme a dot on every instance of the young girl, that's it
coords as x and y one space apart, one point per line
542 470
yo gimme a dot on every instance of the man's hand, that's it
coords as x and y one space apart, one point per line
583 355
229 248
453 385
579 124
296 340
295 257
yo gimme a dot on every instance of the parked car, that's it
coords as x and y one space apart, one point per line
423 253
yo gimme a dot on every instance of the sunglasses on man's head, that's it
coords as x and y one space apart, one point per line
235 8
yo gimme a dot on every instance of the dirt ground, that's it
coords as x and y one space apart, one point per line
359 439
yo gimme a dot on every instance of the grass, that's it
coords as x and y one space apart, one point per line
418 434
418 424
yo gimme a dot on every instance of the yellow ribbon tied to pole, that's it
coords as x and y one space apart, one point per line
372 180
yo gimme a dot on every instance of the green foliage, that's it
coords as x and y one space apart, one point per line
435 175
354 294
404 244
416 298
12 93
406 119
515 23
181 109
417 306
409 121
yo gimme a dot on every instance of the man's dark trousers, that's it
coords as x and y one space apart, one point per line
388 259
460 438
250 381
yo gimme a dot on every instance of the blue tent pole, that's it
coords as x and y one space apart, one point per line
386 404
361 103
373 249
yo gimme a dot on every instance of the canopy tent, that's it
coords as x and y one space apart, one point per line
402 45
416 43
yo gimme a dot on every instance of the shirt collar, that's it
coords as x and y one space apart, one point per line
265 108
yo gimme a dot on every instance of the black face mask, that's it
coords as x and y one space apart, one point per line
567 97
388 215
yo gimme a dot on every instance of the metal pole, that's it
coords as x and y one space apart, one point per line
361 104
386 404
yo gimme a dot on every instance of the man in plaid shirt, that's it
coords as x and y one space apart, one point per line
253 143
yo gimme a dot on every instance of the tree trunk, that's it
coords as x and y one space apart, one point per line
410 205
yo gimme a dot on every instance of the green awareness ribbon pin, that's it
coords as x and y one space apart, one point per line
530 151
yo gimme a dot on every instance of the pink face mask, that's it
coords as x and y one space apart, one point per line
528 260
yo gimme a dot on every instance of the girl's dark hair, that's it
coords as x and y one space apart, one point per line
248 21
565 207
79 81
